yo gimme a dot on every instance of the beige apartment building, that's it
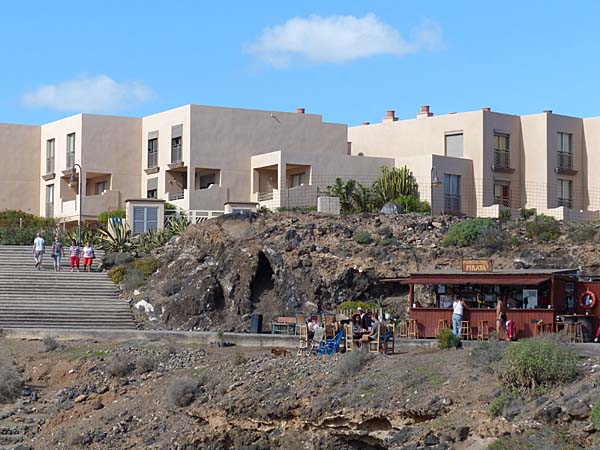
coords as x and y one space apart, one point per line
203 157
488 161
196 157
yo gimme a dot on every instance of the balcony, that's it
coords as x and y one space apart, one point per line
564 163
502 161
179 195
452 203
176 154
566 202
92 205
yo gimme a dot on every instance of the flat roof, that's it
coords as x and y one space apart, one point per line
495 271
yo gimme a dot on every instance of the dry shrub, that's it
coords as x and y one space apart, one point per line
182 391
119 366
146 364
51 344
10 384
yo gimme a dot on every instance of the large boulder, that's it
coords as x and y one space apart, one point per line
391 209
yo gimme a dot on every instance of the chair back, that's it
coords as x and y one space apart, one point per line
304 332
329 331
329 319
300 318
348 337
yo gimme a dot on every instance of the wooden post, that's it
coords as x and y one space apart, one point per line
411 295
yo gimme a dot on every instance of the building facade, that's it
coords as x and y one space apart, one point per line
488 161
195 157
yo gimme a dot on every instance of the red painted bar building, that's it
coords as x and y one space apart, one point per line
533 296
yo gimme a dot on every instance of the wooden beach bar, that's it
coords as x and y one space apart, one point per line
538 300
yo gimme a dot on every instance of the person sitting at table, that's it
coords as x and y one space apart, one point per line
367 321
376 325
357 329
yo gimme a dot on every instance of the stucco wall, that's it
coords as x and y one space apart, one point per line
20 170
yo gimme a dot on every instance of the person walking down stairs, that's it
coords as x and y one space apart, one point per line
88 257
74 252
39 246
57 253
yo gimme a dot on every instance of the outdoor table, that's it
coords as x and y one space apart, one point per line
283 328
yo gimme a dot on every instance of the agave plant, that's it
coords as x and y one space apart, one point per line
145 243
116 238
177 225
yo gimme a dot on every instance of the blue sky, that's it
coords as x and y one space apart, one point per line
347 60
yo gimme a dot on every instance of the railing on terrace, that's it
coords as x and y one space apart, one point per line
564 160
265 196
176 153
451 203
504 201
179 195
566 202
194 215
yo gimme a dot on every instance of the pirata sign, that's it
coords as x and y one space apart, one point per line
477 265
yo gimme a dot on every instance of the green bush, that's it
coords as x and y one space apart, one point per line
493 239
352 305
464 234
117 273
362 237
584 233
105 215
505 214
20 228
527 213
447 339
498 403
595 416
410 203
146 266
534 363
543 228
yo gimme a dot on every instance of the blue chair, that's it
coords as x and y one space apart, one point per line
330 346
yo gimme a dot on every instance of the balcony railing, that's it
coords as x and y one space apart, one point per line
176 153
566 202
70 159
49 210
265 196
504 201
502 158
564 160
179 195
451 203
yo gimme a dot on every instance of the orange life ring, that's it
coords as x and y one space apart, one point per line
587 300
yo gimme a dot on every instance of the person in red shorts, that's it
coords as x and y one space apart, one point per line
74 252
88 257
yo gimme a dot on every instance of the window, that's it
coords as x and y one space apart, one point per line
501 150
502 194
564 193
152 188
50 156
70 150
176 149
452 193
565 151
144 218
152 153
454 145
206 181
100 187
50 200
298 179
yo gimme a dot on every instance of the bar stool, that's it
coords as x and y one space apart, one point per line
541 328
465 330
559 326
483 330
575 331
413 329
403 329
442 323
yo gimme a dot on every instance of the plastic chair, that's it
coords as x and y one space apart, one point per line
330 346
303 344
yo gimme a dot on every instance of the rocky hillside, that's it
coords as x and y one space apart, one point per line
221 271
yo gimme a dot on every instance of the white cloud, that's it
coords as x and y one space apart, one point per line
339 39
89 94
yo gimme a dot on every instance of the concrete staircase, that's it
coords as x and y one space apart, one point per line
32 298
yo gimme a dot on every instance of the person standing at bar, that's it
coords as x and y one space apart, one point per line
457 314
501 319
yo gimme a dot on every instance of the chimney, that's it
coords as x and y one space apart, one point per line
486 109
390 116
548 111
299 110
366 123
424 112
